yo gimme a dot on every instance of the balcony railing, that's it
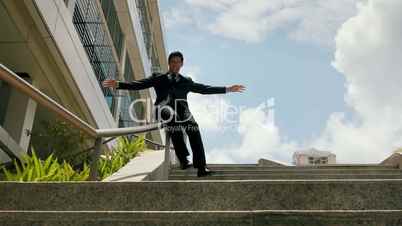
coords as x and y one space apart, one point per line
126 100
110 13
89 22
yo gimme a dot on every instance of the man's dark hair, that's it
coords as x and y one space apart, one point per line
176 54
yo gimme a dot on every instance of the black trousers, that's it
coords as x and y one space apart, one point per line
183 121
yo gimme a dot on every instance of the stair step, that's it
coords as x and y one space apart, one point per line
205 218
293 168
228 176
312 166
334 166
373 194
290 171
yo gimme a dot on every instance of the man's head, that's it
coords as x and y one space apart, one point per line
175 61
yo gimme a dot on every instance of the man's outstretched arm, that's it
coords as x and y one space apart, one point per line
206 89
133 85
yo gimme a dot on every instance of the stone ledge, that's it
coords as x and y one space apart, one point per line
394 160
266 162
232 218
147 165
204 195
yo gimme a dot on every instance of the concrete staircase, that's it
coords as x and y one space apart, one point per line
345 195
255 172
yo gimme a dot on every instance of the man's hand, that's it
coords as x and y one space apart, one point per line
110 83
236 88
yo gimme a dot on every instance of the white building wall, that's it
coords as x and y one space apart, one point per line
135 19
332 159
58 20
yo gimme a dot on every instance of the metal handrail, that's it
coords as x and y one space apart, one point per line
21 85
157 144
153 142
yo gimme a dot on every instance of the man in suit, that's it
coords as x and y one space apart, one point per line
171 103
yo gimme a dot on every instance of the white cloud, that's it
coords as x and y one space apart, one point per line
259 138
368 53
215 5
176 17
207 110
254 20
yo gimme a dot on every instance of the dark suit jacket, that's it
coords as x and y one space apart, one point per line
168 90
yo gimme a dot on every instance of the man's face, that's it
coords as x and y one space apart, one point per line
175 64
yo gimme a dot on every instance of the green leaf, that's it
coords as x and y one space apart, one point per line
37 165
18 169
9 176
29 174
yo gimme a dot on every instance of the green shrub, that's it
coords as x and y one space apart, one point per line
124 151
34 169
61 139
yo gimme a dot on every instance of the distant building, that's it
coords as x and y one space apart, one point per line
313 157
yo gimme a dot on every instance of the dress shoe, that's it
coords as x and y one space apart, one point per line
185 166
202 172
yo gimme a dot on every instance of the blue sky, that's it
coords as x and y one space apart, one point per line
282 50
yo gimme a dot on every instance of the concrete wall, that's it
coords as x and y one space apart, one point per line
58 20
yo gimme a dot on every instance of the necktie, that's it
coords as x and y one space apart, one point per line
174 78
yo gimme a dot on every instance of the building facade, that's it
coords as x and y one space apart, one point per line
313 157
66 48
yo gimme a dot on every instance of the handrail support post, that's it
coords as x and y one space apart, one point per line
95 159
167 154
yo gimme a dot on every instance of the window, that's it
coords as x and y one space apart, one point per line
88 22
125 119
113 24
